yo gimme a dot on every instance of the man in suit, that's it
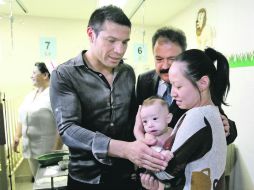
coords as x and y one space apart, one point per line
167 43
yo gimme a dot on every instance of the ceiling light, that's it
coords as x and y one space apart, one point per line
119 3
2 2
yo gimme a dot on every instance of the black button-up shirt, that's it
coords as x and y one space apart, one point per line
89 113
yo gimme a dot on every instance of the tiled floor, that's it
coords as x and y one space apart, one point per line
23 177
24 185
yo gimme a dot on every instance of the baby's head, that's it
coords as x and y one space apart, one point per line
155 115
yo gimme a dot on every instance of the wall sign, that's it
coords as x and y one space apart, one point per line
140 53
48 47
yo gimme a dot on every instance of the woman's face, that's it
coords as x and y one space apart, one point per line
186 95
37 77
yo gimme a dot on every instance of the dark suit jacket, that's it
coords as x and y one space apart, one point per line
147 86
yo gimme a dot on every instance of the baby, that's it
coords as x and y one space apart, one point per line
155 117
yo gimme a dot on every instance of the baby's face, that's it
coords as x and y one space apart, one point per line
155 119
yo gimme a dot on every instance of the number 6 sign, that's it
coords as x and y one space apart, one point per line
140 53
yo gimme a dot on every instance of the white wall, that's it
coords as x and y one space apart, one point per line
233 21
17 62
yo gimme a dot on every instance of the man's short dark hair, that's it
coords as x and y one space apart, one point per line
171 34
107 13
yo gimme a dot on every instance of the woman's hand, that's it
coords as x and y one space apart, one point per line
17 136
149 182
16 144
138 127
139 131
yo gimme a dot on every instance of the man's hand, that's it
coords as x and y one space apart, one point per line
225 124
144 156
140 154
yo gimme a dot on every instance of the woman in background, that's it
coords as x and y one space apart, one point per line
36 124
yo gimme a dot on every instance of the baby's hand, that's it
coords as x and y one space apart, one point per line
168 154
149 137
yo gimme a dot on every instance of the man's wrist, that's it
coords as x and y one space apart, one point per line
117 148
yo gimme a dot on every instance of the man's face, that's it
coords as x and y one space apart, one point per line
164 54
155 119
110 45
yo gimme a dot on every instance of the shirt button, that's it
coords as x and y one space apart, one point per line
111 124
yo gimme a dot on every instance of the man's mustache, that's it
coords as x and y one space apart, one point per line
162 71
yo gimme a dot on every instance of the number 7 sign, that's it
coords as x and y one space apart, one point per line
48 47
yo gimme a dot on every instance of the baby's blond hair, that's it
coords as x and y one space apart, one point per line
155 99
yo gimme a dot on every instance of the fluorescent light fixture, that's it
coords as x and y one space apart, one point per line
119 3
2 2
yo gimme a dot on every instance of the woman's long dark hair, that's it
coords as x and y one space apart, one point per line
42 68
202 63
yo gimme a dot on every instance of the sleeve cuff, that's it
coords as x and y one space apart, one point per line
100 148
